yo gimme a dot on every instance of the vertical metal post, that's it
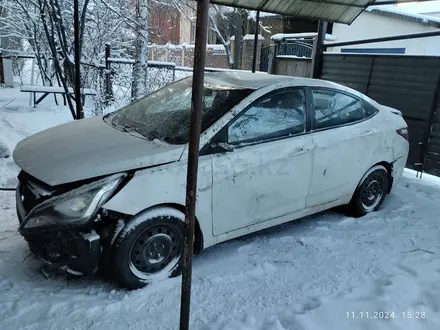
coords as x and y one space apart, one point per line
107 75
257 30
79 108
32 78
319 50
237 47
193 158
2 77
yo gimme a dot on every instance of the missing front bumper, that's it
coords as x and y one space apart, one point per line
74 252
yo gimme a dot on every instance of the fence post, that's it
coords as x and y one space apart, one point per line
424 146
2 77
273 52
108 84
32 81
182 62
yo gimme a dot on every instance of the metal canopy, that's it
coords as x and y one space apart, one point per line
337 11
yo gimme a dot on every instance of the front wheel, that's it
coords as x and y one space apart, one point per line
149 248
371 192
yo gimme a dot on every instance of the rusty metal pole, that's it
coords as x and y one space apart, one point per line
318 50
257 30
79 109
193 158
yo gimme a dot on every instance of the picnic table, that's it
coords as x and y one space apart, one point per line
46 90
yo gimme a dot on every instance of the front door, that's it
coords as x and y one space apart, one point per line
268 173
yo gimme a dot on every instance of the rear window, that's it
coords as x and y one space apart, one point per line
370 110
333 108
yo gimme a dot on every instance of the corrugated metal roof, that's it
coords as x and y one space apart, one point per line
393 12
338 11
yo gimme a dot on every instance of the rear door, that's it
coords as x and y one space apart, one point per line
268 172
345 140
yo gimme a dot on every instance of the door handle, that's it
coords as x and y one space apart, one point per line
367 132
297 151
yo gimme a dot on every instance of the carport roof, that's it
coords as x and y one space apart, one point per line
338 11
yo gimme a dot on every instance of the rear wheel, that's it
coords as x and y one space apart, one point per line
149 248
371 192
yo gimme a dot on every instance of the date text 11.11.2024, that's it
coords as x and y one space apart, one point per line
385 315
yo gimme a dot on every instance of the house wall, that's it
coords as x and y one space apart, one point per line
164 24
272 25
369 25
185 29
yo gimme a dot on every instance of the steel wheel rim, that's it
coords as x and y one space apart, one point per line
372 192
154 249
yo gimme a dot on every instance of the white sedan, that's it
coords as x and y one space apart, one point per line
108 193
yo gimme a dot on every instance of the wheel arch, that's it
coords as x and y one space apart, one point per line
198 243
389 168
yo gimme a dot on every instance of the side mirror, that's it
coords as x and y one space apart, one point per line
222 146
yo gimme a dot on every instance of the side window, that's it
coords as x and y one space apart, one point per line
334 109
273 116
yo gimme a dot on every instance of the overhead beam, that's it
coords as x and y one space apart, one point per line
395 2
261 7
382 39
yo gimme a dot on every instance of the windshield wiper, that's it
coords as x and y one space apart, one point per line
153 135
132 129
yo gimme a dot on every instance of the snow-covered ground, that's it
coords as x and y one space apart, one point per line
18 120
327 271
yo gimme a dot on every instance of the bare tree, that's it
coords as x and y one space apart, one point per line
140 70
47 26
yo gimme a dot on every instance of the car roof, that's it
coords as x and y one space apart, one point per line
248 80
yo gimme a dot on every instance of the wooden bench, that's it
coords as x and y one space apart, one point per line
46 90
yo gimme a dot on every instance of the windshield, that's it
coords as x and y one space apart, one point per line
165 113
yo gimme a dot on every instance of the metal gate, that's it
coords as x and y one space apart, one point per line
297 47
264 57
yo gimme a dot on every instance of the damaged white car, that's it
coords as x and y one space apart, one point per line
108 193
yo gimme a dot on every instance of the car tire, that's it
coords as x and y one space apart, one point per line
149 248
370 192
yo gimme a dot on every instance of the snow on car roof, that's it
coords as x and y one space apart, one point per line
248 80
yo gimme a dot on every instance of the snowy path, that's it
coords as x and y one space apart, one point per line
306 275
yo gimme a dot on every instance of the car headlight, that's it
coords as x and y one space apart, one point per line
74 207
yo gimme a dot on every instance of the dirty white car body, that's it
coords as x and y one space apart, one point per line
243 187
263 185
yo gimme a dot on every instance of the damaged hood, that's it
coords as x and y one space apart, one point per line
88 148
